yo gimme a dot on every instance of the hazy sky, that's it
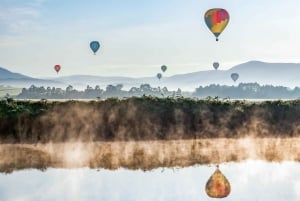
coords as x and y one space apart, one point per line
138 36
250 181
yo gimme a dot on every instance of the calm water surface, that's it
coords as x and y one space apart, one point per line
250 181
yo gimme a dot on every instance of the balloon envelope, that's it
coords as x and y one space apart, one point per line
164 68
216 20
216 65
234 76
217 185
94 45
57 68
159 76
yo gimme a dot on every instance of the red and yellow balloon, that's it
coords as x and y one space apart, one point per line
216 20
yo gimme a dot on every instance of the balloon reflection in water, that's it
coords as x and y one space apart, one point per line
217 185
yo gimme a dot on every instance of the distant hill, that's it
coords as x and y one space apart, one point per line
81 81
6 74
284 74
8 78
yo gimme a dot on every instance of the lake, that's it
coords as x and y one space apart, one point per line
250 181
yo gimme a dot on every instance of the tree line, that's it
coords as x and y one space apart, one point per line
111 91
241 91
247 91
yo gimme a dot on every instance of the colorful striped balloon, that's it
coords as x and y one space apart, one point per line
216 20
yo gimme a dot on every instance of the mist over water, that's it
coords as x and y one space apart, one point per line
146 155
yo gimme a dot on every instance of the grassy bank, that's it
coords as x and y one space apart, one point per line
145 118
12 91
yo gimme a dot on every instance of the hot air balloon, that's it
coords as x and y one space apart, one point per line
94 45
216 65
57 68
217 185
159 76
163 68
234 76
216 20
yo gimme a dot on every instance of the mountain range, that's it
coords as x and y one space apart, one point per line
19 80
283 74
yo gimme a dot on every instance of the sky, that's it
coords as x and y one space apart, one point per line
138 36
250 181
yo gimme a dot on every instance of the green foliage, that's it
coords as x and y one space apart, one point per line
11 108
154 104
247 91
146 118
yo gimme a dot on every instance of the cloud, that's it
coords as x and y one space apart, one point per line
9 41
17 18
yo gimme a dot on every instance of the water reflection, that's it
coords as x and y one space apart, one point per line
217 186
250 181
